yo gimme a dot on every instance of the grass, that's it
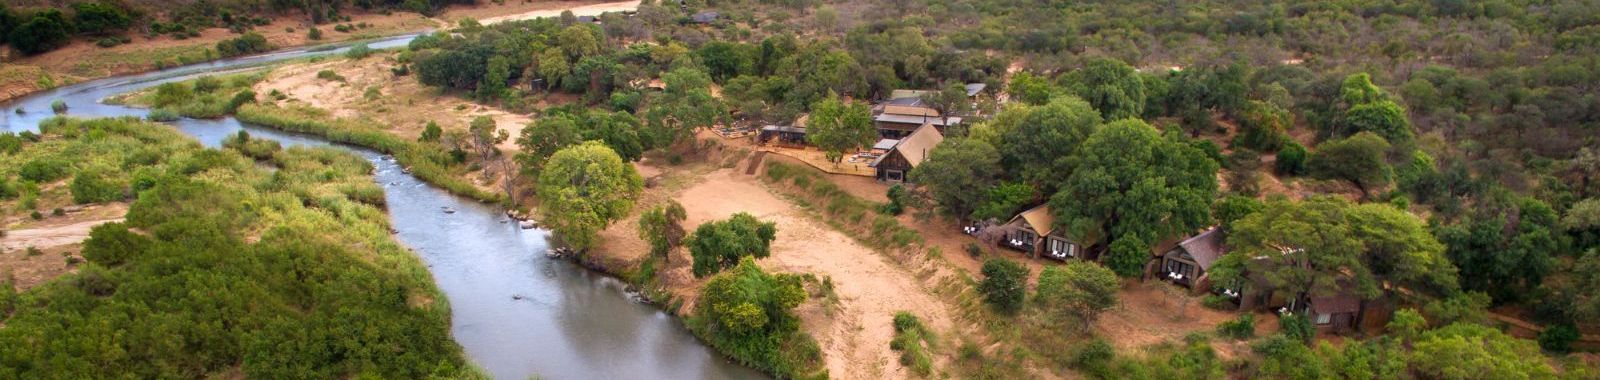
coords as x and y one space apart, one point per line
855 215
202 98
913 340
431 163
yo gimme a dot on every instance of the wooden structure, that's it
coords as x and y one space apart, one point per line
1187 262
897 121
906 154
1334 314
782 135
1034 232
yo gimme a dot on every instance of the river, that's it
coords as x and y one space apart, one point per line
517 313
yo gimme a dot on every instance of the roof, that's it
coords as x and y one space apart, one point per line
915 147
912 101
885 144
1039 218
780 128
1339 303
705 17
910 119
902 94
974 88
1205 248
910 110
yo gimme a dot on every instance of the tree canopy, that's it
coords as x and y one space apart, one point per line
583 188
722 244
954 169
838 127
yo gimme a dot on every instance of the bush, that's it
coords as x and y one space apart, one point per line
1218 302
1004 285
1240 329
95 186
314 34
249 43
913 341
1291 160
46 31
722 244
98 18
329 75
43 170
358 52
1297 327
1558 339
240 99
1094 358
59 106
206 84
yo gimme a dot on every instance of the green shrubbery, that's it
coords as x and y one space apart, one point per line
296 300
1004 285
913 340
747 314
719 245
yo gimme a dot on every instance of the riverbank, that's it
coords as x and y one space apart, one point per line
82 61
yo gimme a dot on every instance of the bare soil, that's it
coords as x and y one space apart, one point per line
55 238
1155 312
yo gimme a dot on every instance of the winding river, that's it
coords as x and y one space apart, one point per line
516 313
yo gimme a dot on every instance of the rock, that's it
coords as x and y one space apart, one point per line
528 225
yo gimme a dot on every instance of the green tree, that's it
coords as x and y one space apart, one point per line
1081 289
1004 200
618 130
1470 351
542 138
1291 160
1264 126
1358 159
95 185
954 171
1112 86
100 18
1037 146
1505 247
1030 89
838 128
1325 245
748 314
553 67
1385 118
578 41
1004 285
950 101
484 137
662 227
44 31
495 77
583 188
685 107
1133 185
722 244
725 60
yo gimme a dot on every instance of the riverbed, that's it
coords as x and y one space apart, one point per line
516 313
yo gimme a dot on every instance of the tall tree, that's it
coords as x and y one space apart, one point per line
1112 86
1506 247
685 107
1359 159
1037 145
662 226
837 127
1079 288
583 188
956 171
542 138
1133 187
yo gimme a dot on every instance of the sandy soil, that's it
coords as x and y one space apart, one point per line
583 10
56 237
855 338
1150 314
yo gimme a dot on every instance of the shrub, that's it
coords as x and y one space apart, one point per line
58 212
59 106
314 34
358 52
240 99
1004 285
722 244
95 186
162 115
1291 160
1558 339
42 170
249 43
1217 302
1241 329
1297 327
36 215
1095 358
46 31
206 84
913 341
329 75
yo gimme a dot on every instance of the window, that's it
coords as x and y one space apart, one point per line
894 175
1323 319
1025 236
1061 248
1179 268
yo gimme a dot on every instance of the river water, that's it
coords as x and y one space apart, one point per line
516 313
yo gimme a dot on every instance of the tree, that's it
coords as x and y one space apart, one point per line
1004 200
1030 89
838 128
1385 118
98 18
1505 247
1112 86
1263 126
45 31
618 130
1326 244
949 101
584 188
955 171
1079 288
748 314
662 226
578 41
725 60
1133 185
484 136
542 138
496 74
1004 285
685 107
1291 160
1471 351
1358 159
459 69
1036 146
553 67
722 244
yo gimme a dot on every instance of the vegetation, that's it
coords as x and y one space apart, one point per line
1004 285
251 237
1079 289
662 227
837 127
913 340
583 189
723 244
747 314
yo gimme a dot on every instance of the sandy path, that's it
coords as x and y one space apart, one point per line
50 237
855 337
584 10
